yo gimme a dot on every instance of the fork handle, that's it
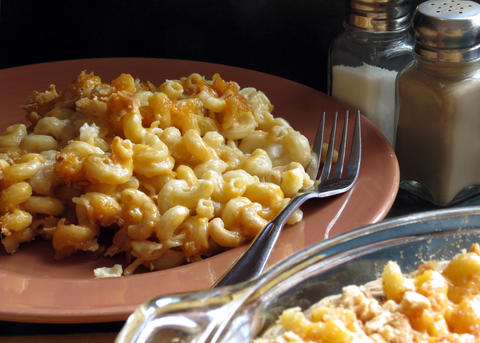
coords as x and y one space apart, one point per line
253 260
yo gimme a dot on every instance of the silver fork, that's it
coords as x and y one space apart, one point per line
254 259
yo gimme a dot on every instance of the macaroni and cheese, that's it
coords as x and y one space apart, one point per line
173 173
440 302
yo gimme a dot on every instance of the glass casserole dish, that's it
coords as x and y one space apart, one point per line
241 312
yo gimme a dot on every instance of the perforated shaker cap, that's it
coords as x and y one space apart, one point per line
379 15
447 29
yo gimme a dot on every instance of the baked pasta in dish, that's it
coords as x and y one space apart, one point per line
170 173
440 302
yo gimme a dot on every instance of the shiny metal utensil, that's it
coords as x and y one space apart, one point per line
254 259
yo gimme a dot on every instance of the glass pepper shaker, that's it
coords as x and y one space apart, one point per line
365 59
438 104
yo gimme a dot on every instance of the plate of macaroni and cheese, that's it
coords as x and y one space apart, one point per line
122 179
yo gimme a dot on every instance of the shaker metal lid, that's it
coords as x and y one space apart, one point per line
447 24
379 15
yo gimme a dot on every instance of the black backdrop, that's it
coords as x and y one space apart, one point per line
286 38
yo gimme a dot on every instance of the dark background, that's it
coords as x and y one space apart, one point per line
286 38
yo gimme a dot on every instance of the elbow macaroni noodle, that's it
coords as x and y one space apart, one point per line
179 171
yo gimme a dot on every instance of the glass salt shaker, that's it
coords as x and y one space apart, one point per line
365 59
438 104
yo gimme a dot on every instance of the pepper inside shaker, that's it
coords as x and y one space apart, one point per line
438 104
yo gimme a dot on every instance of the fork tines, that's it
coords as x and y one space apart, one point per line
354 156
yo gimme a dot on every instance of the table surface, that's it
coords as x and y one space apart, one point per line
404 204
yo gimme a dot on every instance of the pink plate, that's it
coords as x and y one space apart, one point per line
36 288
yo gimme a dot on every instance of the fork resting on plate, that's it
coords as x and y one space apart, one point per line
327 183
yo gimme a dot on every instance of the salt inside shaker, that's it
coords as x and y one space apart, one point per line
438 104
365 59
